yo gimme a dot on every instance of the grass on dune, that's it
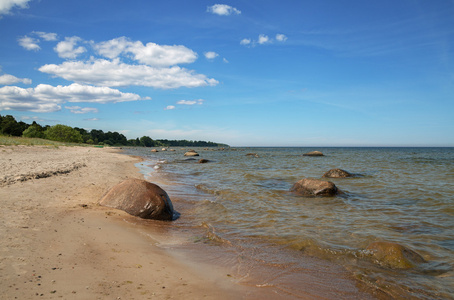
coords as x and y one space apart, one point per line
14 141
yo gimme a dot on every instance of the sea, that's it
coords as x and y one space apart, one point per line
241 200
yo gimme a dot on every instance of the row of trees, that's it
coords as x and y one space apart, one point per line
62 133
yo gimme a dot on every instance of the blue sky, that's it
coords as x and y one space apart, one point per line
245 73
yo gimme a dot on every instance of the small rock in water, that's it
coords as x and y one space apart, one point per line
203 161
314 187
191 153
337 173
313 153
394 255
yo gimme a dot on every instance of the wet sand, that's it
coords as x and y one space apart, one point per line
56 242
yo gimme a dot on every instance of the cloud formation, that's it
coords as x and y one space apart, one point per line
245 42
281 37
263 39
7 79
211 55
223 10
191 102
47 98
47 36
29 43
81 110
150 54
68 48
114 73
7 5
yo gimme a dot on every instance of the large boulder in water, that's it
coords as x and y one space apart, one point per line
314 187
337 173
313 153
139 198
394 255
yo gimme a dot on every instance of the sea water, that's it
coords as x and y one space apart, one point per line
401 195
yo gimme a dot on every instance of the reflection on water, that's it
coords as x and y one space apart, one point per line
404 195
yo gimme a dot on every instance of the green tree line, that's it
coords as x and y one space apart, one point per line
62 133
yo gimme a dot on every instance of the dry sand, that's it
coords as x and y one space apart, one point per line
56 242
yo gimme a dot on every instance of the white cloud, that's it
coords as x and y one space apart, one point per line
263 39
112 48
81 110
190 102
68 49
162 56
47 98
91 119
170 107
150 54
7 79
281 37
47 36
115 73
7 5
245 42
223 10
211 55
29 43
225 60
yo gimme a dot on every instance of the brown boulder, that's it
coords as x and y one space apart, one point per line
139 198
394 255
203 161
314 187
191 153
313 153
337 173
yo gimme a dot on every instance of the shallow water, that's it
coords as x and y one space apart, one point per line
402 195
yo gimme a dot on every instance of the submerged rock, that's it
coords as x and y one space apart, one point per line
154 150
252 154
314 187
203 161
313 153
337 173
139 198
394 255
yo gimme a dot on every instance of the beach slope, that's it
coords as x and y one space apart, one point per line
57 242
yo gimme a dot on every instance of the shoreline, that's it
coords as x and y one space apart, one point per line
61 244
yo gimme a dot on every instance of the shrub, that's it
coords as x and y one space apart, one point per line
63 133
33 132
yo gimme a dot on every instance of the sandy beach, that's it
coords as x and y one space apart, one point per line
57 242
